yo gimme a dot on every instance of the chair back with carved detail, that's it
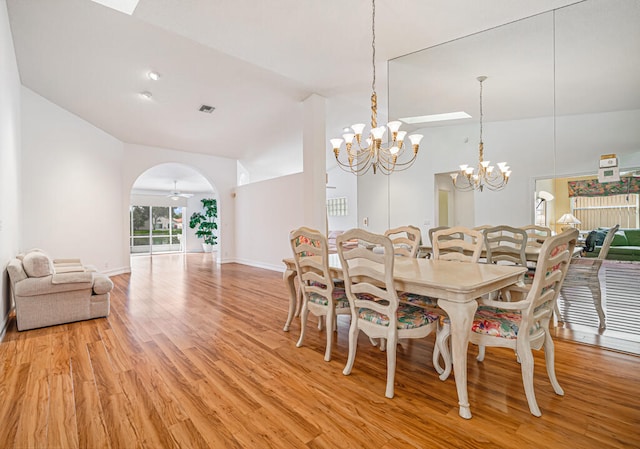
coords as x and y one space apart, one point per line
319 294
405 240
457 243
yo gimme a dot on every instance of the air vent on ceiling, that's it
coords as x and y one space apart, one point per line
206 108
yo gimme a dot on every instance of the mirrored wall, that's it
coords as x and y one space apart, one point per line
563 88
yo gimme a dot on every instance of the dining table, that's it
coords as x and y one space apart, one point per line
457 287
531 252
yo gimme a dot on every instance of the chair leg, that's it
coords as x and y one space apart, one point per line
597 303
526 365
481 353
304 314
549 358
392 342
330 322
353 345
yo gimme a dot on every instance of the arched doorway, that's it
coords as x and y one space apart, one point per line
161 201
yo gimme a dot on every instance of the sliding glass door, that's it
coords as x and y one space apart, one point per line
155 229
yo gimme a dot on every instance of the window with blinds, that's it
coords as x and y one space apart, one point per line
607 211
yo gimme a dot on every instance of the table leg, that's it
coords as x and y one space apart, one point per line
461 317
289 277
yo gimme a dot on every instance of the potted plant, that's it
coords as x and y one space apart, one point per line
205 221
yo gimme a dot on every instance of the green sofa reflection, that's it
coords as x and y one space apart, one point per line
625 245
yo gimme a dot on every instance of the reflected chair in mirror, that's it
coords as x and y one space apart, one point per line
405 240
523 324
375 309
583 274
319 295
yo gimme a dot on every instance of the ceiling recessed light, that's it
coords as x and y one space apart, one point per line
146 94
155 76
436 117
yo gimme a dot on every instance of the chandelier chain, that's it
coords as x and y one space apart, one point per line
373 45
480 111
363 154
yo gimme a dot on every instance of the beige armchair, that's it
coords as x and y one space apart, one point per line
48 292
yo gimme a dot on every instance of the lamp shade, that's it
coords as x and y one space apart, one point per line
546 196
568 219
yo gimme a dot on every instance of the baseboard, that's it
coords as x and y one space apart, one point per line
5 324
252 263
117 271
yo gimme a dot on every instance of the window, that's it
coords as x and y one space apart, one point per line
607 211
155 229
337 207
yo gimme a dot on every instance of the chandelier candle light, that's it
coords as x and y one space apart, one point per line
360 159
486 175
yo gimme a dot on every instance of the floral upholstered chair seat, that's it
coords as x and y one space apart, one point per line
417 300
408 317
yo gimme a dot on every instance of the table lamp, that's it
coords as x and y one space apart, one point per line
568 219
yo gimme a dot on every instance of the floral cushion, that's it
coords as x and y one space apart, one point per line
409 317
417 300
339 298
303 239
497 322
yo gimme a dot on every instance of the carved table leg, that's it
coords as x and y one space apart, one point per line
461 317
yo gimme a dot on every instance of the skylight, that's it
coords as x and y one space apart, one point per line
125 6
436 117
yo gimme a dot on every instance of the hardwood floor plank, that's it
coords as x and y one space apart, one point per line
62 428
92 430
193 356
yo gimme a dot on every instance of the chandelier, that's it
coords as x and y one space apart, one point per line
366 154
486 176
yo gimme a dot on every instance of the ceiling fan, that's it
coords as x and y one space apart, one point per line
176 194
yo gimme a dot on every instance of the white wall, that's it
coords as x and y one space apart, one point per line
219 171
71 186
10 142
346 185
265 214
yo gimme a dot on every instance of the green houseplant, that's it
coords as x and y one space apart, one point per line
205 221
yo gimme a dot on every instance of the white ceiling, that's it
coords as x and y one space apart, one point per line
255 61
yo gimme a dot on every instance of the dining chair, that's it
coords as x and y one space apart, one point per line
583 273
523 323
536 235
463 245
505 245
457 243
405 240
319 294
375 309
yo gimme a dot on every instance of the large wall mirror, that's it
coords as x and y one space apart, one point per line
562 90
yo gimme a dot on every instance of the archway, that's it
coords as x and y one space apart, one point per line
160 202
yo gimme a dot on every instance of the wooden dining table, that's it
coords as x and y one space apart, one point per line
531 252
456 285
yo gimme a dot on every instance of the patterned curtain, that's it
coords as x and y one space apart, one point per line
591 187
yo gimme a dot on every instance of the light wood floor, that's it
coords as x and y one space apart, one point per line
193 355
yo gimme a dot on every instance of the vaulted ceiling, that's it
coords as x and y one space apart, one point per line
254 61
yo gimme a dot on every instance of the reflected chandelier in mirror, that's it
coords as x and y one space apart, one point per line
486 175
